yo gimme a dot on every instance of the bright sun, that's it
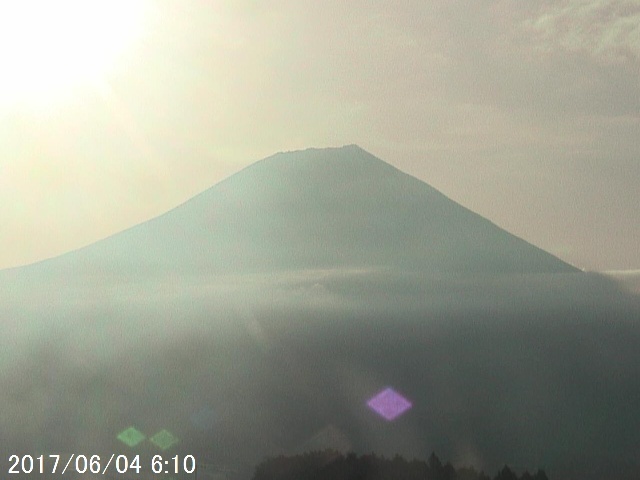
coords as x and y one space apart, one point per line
50 47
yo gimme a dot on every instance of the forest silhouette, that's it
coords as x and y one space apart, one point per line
329 464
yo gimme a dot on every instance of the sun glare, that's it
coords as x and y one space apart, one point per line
50 47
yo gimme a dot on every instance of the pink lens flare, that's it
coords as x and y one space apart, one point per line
389 404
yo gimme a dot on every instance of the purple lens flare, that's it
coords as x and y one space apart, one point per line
389 404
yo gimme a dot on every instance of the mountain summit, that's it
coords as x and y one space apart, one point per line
314 209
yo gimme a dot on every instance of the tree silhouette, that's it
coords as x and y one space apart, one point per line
331 465
540 475
506 474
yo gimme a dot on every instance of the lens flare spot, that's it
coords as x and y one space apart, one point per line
389 404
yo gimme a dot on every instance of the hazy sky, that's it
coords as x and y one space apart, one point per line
527 112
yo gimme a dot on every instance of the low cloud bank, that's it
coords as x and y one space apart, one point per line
534 371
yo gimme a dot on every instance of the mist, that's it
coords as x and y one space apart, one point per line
530 370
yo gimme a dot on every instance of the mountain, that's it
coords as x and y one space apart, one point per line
265 315
334 208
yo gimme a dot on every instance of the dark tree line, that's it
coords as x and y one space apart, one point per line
331 465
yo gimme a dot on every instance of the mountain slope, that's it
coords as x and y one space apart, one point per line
314 209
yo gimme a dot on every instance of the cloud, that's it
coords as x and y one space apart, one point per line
627 279
264 376
606 29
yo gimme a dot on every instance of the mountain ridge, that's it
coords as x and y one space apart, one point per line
338 207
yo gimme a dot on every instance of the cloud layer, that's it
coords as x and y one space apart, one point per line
606 29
